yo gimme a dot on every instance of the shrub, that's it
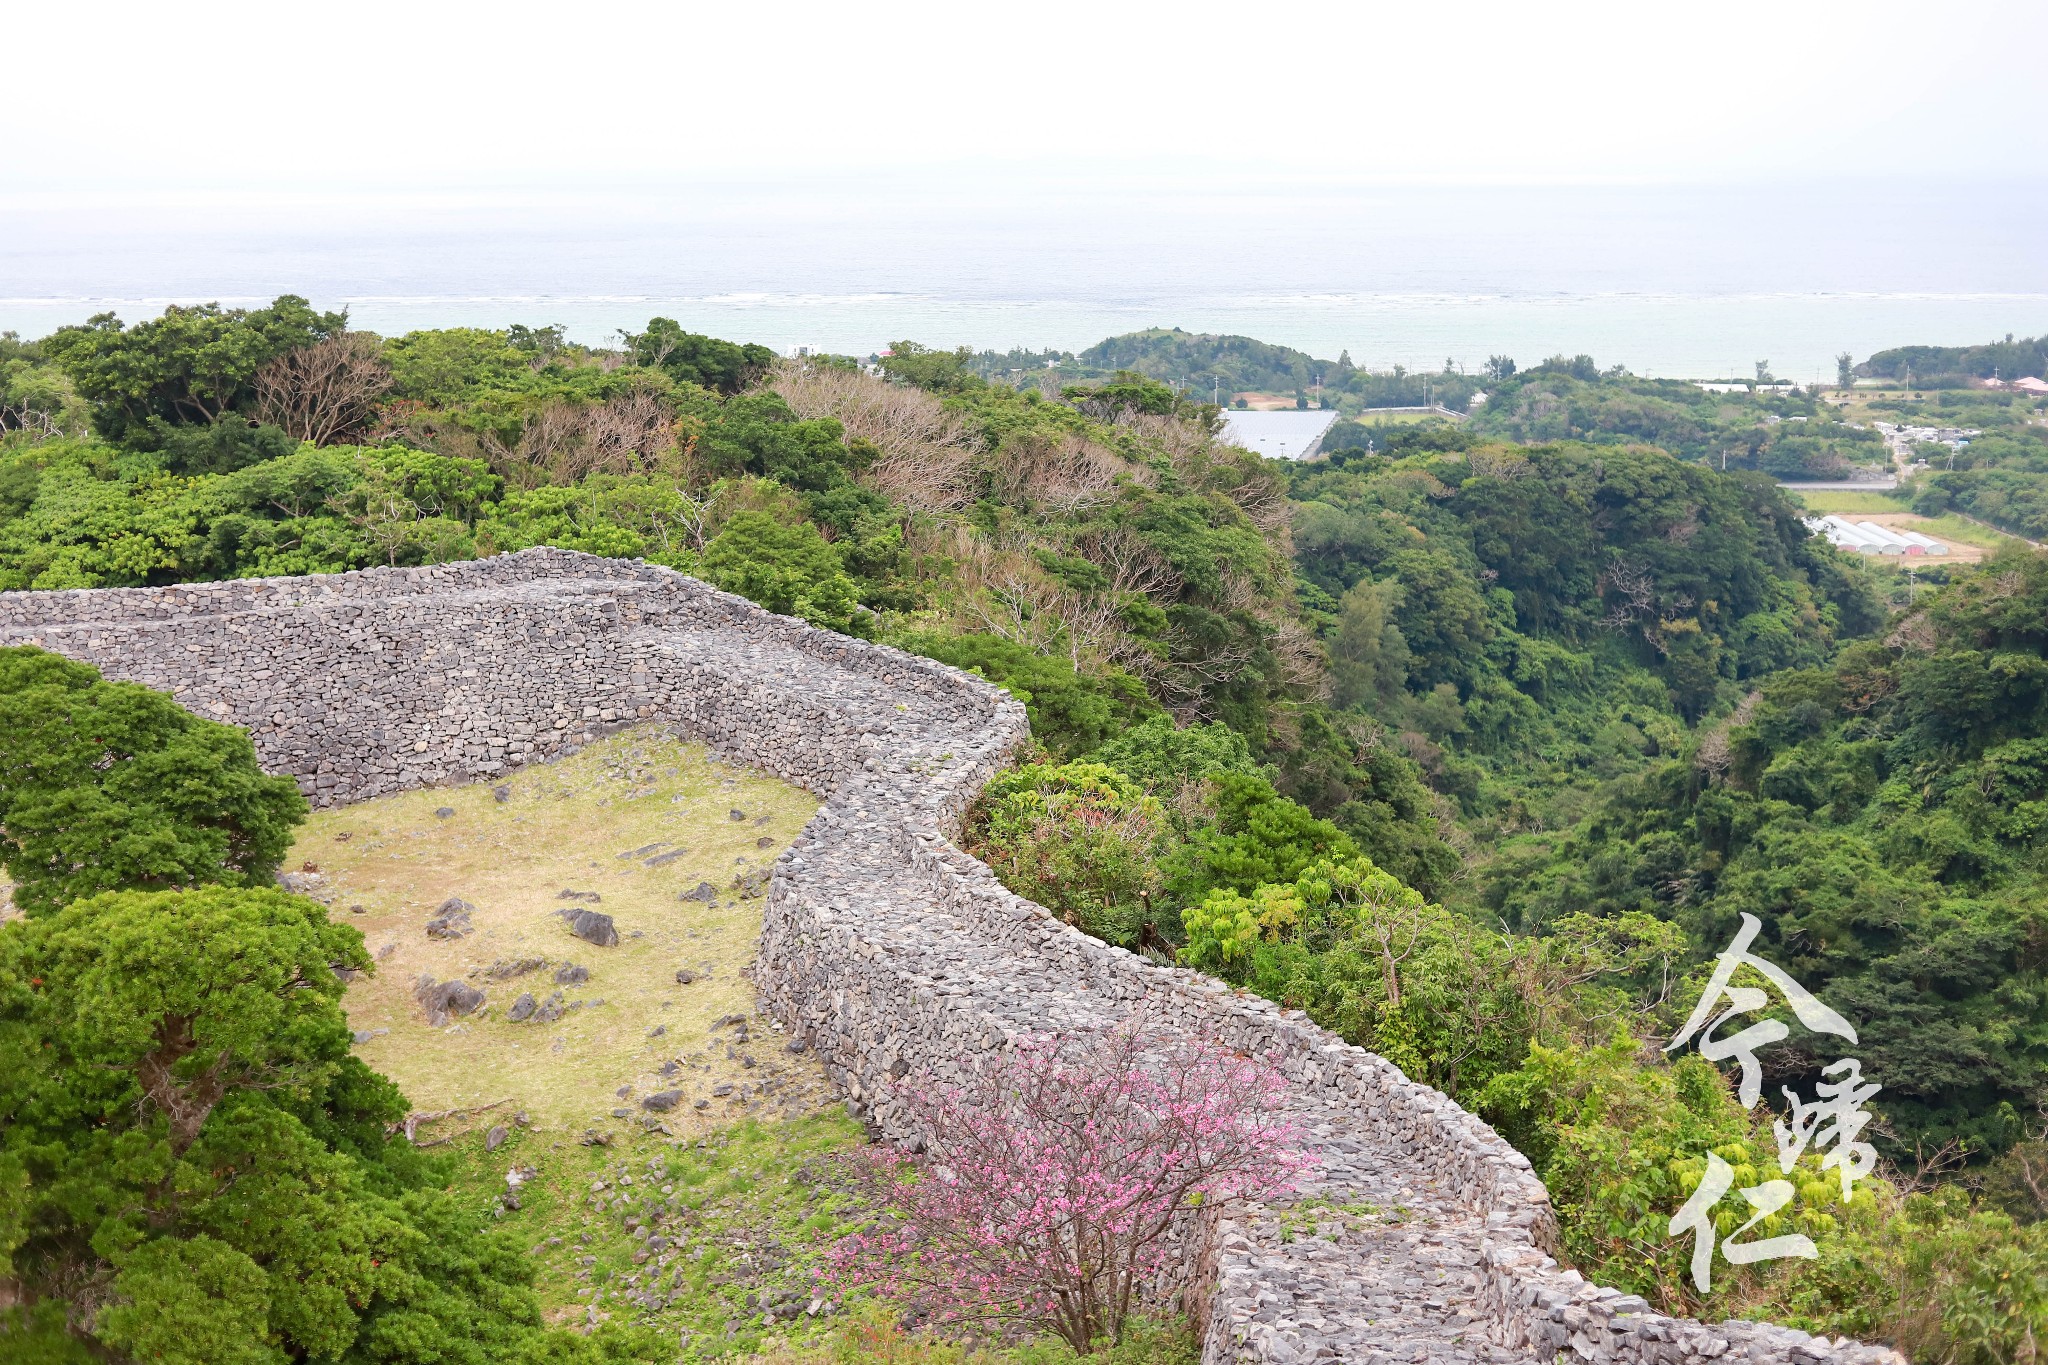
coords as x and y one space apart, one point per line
1046 1185
1080 839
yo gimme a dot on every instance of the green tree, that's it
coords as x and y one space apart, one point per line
1166 758
209 1177
1259 836
722 366
106 785
192 366
786 567
1071 714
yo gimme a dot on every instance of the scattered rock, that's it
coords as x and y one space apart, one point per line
451 920
593 927
664 859
593 1138
445 1000
704 891
622 1113
495 1139
357 910
641 851
684 976
501 970
569 974
501 794
701 1104
765 841
720 1091
550 1010
662 1101
797 1045
657 1030
522 1008
365 1035
444 812
752 885
736 815
567 895
309 883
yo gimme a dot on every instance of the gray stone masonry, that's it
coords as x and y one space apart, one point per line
885 947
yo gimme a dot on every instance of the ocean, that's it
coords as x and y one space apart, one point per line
1688 281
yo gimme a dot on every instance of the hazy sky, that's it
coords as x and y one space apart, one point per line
421 96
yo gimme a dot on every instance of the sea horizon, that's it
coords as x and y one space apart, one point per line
1699 281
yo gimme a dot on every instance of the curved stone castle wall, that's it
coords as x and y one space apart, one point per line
889 949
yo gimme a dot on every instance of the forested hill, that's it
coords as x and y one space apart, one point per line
1785 435
1941 366
1883 816
1204 361
1531 619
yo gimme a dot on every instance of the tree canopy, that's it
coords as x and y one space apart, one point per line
109 785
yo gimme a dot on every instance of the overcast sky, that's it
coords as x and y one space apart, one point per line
423 97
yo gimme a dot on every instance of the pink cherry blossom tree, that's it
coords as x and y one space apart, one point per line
1047 1187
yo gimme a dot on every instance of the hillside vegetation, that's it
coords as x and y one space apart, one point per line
1475 744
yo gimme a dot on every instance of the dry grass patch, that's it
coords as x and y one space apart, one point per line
630 824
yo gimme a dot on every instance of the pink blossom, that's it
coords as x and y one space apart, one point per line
1048 1186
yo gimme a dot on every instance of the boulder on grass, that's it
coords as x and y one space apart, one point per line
446 1000
451 920
593 927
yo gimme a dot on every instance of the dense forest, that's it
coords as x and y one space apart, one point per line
1476 743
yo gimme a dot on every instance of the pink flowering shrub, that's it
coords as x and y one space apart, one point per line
1046 1187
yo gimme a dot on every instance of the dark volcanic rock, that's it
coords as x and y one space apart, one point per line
445 1000
593 927
522 1009
451 920
569 974
662 1101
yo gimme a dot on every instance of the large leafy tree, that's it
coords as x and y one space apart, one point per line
724 366
196 1168
108 785
191 367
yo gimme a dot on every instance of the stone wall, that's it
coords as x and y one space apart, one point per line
884 946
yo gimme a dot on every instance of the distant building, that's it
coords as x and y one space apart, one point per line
2037 387
1295 435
